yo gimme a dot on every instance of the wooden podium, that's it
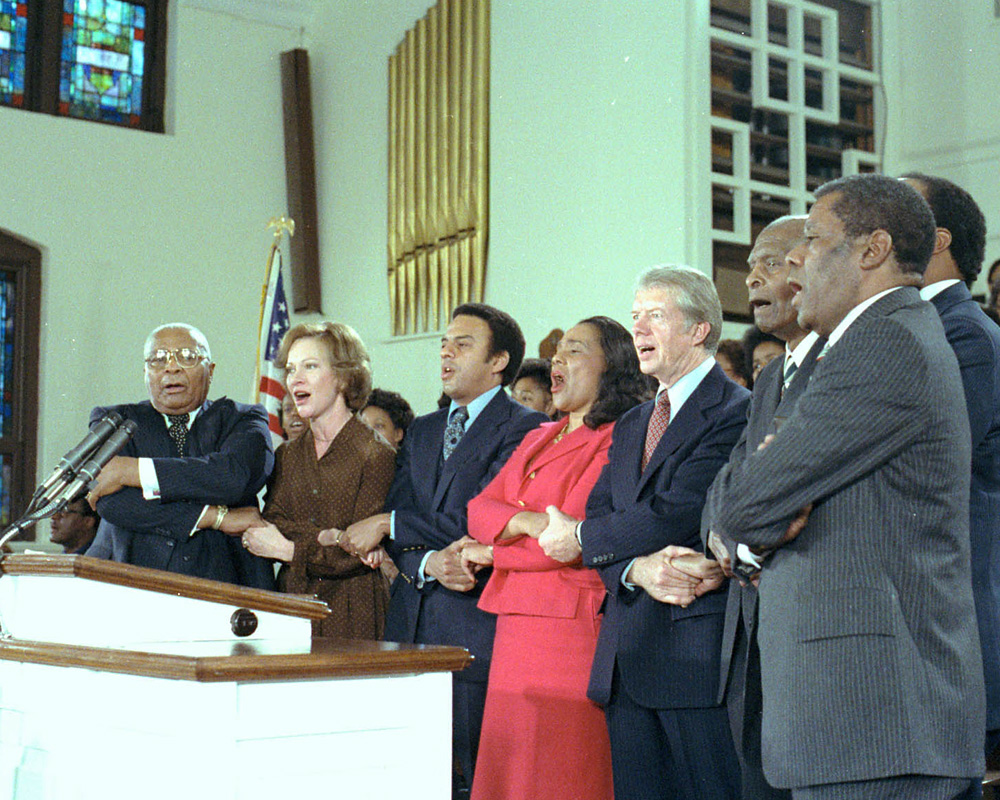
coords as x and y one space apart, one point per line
121 682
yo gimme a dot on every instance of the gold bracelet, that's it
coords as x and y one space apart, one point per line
220 514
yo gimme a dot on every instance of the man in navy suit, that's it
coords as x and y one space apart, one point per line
447 458
956 261
164 501
656 669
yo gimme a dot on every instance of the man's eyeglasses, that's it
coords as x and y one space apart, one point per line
185 357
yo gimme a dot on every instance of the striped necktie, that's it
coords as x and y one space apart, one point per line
790 369
657 426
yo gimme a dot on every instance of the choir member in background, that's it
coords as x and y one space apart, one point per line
389 414
532 385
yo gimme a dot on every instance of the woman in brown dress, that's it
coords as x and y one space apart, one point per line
336 473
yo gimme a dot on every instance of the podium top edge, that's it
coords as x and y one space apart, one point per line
155 580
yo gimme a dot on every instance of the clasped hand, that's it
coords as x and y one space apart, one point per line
676 575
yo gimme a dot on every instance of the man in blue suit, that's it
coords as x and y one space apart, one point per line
956 261
447 458
164 501
656 669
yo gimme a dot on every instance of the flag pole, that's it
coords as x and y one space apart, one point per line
280 225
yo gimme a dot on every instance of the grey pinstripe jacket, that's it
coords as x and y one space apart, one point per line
870 658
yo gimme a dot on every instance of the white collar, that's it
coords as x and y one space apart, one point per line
684 386
798 355
934 289
853 314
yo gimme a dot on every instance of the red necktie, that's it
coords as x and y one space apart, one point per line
657 426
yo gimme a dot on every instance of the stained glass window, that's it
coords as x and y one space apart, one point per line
13 46
7 341
20 299
103 59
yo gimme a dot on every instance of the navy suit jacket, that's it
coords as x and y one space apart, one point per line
976 341
229 458
429 497
667 656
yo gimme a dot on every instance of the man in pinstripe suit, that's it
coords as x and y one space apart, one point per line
870 665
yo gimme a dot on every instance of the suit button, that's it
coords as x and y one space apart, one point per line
315 491
170 542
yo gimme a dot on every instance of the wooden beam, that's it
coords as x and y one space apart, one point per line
300 179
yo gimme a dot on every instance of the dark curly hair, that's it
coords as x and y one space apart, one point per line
393 404
622 384
538 370
955 210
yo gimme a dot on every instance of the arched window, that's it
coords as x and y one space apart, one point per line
20 299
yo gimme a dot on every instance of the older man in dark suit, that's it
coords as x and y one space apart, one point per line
870 664
447 458
164 503
656 669
774 395
954 265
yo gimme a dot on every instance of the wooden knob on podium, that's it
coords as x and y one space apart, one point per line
243 622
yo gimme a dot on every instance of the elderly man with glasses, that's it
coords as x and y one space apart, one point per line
164 502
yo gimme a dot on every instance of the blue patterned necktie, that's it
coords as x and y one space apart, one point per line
456 428
178 431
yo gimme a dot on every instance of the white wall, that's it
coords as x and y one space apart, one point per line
943 105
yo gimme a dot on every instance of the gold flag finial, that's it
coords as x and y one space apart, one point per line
280 225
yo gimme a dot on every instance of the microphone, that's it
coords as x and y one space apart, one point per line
92 467
70 463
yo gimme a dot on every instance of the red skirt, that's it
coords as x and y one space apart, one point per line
541 737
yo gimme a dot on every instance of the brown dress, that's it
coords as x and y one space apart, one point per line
305 496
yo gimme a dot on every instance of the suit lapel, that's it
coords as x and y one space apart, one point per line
490 418
202 431
800 379
688 419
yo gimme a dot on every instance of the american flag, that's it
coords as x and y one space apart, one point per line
270 387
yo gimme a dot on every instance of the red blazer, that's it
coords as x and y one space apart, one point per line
524 579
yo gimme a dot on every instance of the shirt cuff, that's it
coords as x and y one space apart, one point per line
392 526
747 556
148 480
625 583
422 577
577 531
195 529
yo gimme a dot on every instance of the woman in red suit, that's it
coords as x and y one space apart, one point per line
541 736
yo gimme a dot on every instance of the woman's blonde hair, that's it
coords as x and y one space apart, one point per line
347 355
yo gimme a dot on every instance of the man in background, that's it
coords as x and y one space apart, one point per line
74 527
774 394
959 244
